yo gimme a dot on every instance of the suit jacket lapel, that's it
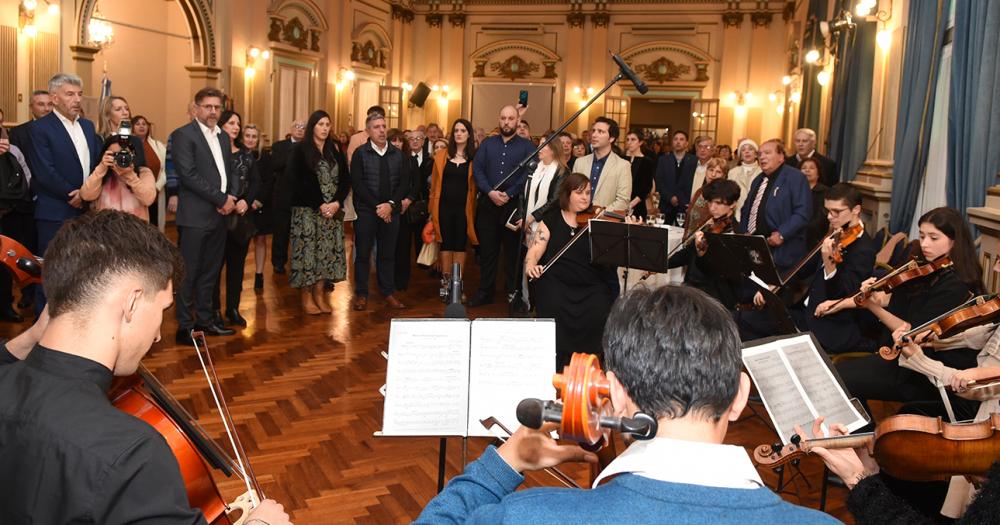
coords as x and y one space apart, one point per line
59 130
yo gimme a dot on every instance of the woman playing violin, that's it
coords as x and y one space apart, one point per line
943 233
574 292
68 455
721 196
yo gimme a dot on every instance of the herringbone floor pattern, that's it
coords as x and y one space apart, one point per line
303 392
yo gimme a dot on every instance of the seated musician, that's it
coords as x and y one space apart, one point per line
672 352
943 232
574 292
67 455
722 196
840 332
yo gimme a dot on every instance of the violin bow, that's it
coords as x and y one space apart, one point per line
491 422
254 492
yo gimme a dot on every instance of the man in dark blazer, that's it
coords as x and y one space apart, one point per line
841 331
202 156
379 178
64 150
277 161
411 228
804 140
19 222
674 176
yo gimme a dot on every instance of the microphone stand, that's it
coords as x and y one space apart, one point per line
519 265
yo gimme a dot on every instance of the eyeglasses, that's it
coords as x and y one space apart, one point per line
211 106
835 212
298 126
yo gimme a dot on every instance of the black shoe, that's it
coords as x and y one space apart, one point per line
279 270
234 317
9 314
480 299
184 337
217 319
215 329
258 281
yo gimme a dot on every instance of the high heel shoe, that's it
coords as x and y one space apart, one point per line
319 296
308 303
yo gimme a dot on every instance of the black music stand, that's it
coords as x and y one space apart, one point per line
629 245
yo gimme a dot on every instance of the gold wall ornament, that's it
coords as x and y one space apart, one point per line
294 33
514 68
662 70
366 53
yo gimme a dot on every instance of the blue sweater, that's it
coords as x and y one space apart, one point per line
485 494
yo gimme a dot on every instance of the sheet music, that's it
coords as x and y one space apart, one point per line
512 359
797 385
427 378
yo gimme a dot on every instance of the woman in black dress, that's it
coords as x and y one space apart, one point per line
453 196
574 292
642 171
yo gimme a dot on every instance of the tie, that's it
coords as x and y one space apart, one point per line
752 223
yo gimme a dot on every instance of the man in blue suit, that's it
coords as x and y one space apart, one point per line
778 207
64 149
674 176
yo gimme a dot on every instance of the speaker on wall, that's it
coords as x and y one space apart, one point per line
419 95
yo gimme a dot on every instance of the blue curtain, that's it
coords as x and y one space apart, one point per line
974 114
926 26
852 102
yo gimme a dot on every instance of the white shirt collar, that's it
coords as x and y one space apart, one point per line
206 130
381 151
809 156
65 120
687 462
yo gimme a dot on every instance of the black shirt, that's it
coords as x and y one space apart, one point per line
68 456
455 185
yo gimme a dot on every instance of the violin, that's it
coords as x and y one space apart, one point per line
24 266
584 412
844 238
910 271
978 311
908 447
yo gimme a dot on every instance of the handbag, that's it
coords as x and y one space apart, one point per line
241 227
428 254
417 212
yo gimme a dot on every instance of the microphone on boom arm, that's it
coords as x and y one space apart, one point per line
627 72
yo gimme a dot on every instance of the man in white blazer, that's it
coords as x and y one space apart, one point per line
610 175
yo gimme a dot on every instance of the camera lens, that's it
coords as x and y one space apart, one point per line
124 158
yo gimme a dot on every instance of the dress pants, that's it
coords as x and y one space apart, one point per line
202 250
282 217
370 231
235 259
493 235
409 236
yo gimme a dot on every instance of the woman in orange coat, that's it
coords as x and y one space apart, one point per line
453 196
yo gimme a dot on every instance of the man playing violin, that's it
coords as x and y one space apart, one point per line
69 456
672 352
839 332
722 196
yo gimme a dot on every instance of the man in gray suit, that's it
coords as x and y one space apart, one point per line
202 157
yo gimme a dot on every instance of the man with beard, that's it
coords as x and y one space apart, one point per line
496 156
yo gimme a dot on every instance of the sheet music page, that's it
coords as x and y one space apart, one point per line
511 359
797 386
427 378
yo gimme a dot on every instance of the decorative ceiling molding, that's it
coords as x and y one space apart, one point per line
514 60
298 23
665 62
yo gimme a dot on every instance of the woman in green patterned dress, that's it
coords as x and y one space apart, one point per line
319 180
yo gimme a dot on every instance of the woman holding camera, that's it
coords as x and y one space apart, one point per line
116 184
243 184
114 113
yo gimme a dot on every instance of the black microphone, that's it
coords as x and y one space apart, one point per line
640 86
532 412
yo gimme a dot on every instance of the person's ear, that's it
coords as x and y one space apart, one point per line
621 403
131 305
742 395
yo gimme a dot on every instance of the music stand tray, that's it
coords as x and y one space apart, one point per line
635 246
750 253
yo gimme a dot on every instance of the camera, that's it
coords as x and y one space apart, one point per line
126 156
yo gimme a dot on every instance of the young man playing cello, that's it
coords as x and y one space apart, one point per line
69 456
672 352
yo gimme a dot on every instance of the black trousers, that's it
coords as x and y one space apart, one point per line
372 232
19 226
235 258
202 250
493 237
279 241
408 237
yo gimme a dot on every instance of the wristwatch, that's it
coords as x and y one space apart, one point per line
393 204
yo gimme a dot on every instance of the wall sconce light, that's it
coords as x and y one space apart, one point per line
26 18
884 39
780 109
254 56
349 75
812 56
786 80
590 92
435 87
823 77
407 86
795 97
864 7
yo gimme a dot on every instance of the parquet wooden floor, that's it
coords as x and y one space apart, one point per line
303 392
